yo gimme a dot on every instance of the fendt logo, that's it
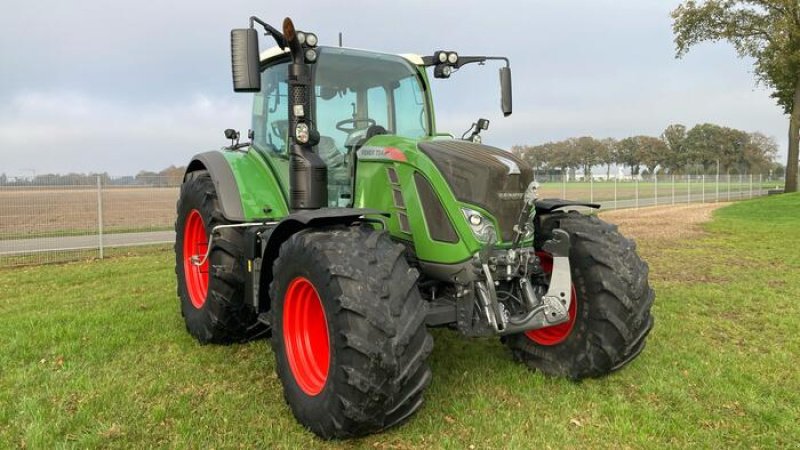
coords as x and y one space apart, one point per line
510 195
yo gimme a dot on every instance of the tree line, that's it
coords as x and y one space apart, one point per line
171 176
705 148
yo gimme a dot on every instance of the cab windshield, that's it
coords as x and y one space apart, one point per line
360 93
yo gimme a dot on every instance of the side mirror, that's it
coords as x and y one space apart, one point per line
482 124
231 134
245 60
505 90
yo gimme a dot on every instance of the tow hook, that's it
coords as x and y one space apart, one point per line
554 306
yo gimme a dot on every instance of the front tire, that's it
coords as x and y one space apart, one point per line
610 314
349 332
211 295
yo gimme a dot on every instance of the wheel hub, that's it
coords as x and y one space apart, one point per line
305 336
195 246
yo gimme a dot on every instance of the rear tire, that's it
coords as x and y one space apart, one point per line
212 296
374 372
613 300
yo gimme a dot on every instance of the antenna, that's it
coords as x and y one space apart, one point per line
340 39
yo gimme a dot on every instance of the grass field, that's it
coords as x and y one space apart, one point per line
95 355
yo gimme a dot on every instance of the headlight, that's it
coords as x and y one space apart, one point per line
442 56
301 37
481 226
452 58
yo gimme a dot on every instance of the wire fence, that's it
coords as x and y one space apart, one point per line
67 218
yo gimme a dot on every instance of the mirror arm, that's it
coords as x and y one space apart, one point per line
270 31
464 60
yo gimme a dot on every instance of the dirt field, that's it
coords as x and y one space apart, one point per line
48 211
657 224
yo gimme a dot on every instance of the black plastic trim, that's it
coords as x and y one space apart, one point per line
439 225
224 181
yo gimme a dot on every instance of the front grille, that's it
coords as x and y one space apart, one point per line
484 176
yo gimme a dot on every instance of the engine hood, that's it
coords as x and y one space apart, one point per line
485 176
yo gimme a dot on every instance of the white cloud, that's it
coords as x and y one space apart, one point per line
72 131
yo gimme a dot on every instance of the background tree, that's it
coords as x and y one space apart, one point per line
628 154
589 152
766 30
608 154
759 153
704 143
674 137
653 151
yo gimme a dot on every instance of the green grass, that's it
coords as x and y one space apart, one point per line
95 355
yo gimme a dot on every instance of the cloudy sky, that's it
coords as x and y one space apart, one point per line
123 86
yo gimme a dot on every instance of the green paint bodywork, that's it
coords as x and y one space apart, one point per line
263 189
263 184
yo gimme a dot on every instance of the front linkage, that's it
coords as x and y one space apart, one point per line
499 298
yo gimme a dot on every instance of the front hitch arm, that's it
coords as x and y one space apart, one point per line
554 306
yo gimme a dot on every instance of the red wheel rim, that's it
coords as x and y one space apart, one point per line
195 244
305 335
557 333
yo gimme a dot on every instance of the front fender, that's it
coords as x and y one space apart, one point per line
247 187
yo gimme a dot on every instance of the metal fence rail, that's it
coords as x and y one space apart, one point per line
63 218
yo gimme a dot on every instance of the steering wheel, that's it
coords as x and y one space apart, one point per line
340 124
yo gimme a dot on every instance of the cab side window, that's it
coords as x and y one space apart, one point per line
271 111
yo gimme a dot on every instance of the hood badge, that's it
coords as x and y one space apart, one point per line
510 195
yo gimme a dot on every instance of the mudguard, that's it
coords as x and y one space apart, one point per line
247 187
548 205
271 239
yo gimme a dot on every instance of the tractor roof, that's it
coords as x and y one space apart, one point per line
275 51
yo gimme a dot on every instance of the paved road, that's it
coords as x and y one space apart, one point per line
29 246
38 245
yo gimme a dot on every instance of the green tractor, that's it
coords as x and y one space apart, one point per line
348 226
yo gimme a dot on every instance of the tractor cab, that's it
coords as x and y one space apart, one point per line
356 95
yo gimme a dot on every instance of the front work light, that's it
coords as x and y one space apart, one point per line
301 133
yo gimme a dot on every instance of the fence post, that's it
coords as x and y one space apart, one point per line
673 189
751 185
716 193
656 177
591 188
637 192
703 183
563 185
615 191
688 189
100 216
729 187
741 182
760 184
